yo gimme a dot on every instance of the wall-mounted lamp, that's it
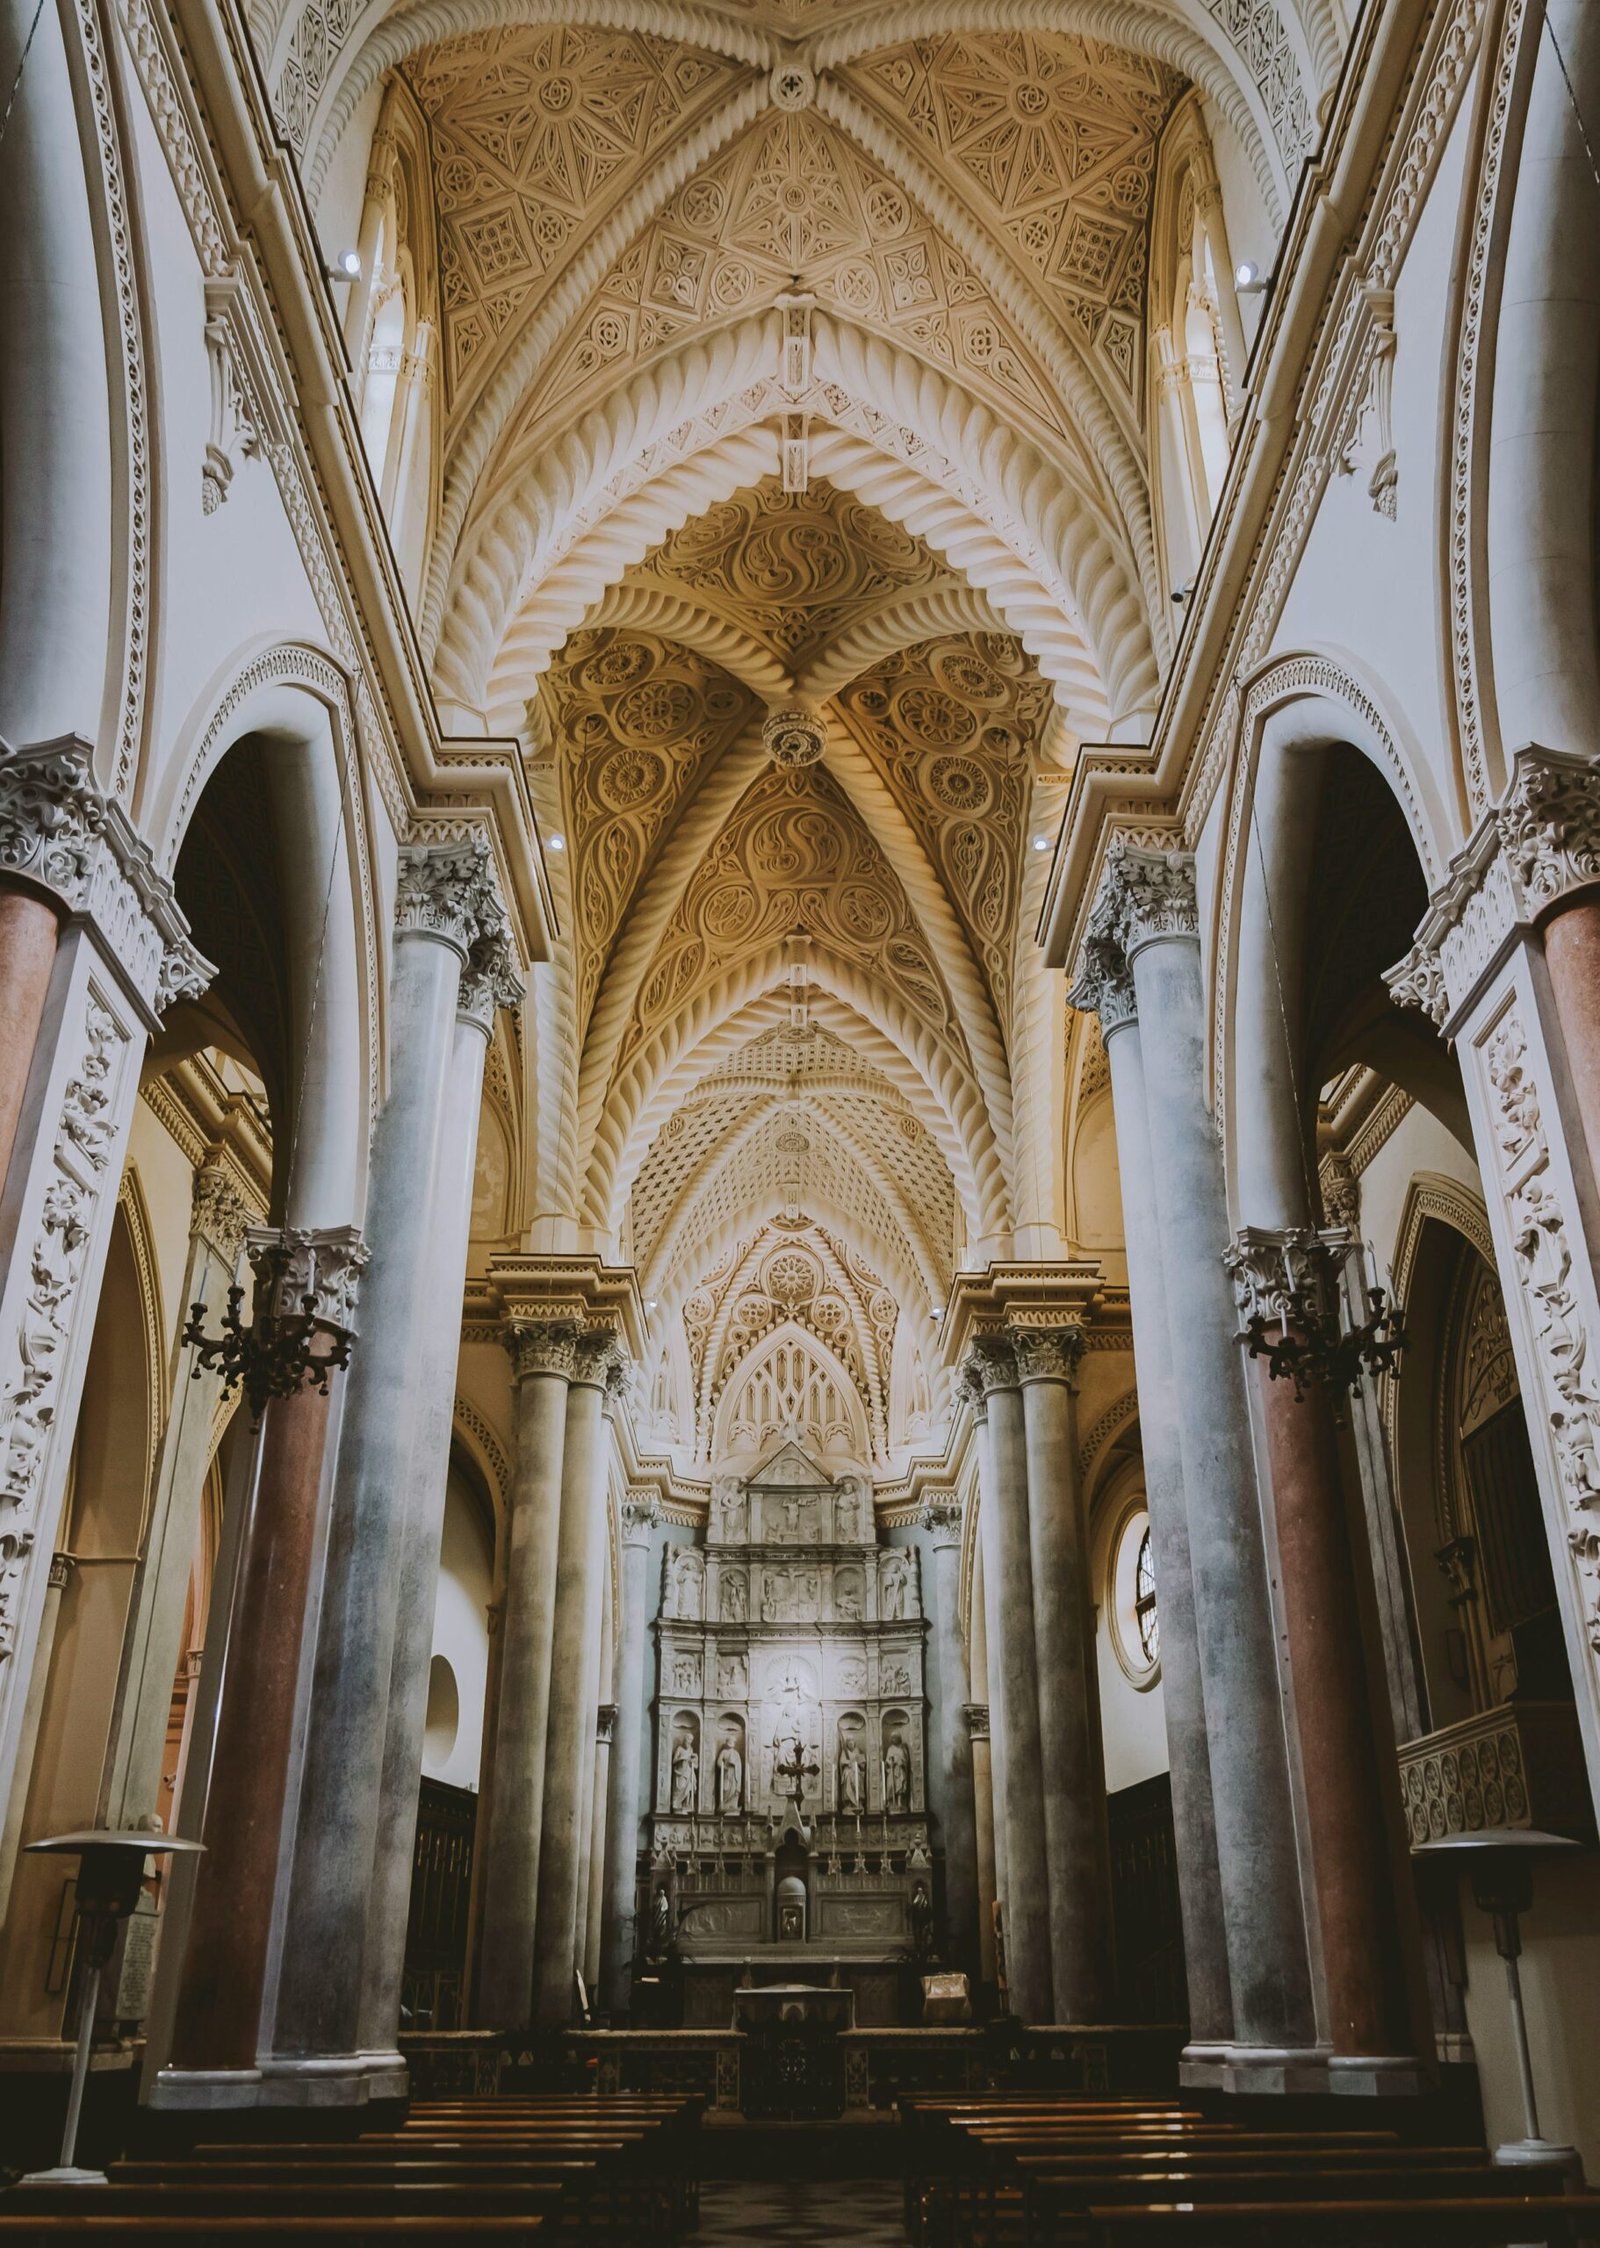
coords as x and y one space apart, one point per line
345 267
1249 280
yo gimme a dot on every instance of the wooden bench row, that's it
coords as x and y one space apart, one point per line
989 2172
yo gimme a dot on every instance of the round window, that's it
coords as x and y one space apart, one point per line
1131 1599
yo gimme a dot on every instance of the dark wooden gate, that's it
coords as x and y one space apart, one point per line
433 1995
1144 1872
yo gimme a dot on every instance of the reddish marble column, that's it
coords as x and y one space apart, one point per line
1363 1963
219 2009
29 929
1572 954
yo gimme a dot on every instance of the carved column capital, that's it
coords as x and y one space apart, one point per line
1549 825
601 1362
942 1514
1047 1354
324 1263
1150 895
639 1511
977 1718
60 834
490 980
990 1364
219 1212
1268 1265
1341 1193
448 889
605 1724
543 1346
1103 983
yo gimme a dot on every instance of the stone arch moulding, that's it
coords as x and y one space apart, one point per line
769 1008
690 429
635 1107
1103 1433
134 1209
1311 698
1430 1197
470 1429
298 692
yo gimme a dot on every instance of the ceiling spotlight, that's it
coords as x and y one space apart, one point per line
558 842
1249 279
1041 842
651 1304
938 1311
346 266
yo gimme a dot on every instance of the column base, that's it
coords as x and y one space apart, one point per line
1539 2154
1201 2068
1275 2071
1379 2076
323 2080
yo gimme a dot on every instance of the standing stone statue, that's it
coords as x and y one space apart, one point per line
892 1583
852 1778
896 1775
734 1601
730 1780
685 1777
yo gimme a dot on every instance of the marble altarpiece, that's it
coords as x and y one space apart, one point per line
789 1807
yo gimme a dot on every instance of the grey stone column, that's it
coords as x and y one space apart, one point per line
544 1356
605 1725
488 983
445 900
152 1645
975 1716
596 1634
1106 986
1013 1668
1148 905
1072 1754
641 1510
952 1744
569 1735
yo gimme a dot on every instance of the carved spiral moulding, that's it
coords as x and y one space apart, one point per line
794 737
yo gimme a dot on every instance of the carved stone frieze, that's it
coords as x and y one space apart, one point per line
292 1263
62 834
543 1346
1539 845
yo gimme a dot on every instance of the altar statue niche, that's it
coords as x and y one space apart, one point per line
790 1718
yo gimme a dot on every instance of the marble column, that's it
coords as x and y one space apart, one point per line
1077 1838
153 1641
445 899
952 1744
604 1734
544 1357
71 1081
569 1734
975 1716
1013 1669
1148 905
1106 987
217 2027
488 983
641 1511
1346 1775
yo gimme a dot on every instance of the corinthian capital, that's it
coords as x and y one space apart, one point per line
1270 1266
1047 1354
600 1361
1103 984
490 980
61 834
989 1365
294 1263
449 890
543 1346
941 1515
1150 895
1549 822
640 1511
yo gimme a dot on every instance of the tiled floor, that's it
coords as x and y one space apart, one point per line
736 2214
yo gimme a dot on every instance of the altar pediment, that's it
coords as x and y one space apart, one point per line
790 1468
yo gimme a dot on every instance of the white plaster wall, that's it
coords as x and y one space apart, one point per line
1560 1979
344 184
1420 1143
461 1632
1132 1719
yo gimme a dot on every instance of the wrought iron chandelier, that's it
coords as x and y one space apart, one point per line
277 1353
1313 1345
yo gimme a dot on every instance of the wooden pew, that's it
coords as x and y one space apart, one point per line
1457 2221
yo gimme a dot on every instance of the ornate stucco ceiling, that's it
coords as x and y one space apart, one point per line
793 357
